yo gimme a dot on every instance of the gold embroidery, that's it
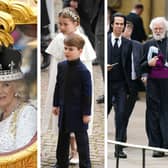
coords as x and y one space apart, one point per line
15 118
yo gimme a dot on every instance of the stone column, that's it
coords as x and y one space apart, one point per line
146 15
166 10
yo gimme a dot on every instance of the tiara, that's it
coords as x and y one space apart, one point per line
69 12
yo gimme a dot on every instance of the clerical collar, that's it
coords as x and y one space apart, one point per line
73 62
161 40
133 11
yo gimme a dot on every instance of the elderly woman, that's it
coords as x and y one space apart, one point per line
18 119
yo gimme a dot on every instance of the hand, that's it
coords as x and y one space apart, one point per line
144 80
86 119
109 67
152 62
56 110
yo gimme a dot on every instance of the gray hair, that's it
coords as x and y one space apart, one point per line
21 90
158 20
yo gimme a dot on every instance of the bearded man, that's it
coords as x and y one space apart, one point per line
155 63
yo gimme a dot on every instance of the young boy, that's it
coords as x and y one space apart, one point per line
72 102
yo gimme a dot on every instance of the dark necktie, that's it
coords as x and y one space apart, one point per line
116 43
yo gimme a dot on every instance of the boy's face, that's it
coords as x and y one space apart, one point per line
72 52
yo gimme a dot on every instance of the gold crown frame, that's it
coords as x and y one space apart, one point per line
14 12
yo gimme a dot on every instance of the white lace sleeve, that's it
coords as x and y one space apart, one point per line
56 47
26 126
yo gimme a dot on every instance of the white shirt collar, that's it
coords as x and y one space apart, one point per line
113 37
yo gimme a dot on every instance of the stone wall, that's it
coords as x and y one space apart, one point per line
152 8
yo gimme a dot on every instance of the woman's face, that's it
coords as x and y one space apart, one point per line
7 92
66 25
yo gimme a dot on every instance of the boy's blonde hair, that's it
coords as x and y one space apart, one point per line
70 13
74 40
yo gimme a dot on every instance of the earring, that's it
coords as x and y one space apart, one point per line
16 94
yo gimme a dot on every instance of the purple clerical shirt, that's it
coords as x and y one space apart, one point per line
160 71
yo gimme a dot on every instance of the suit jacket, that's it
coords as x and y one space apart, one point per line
97 17
84 8
45 21
73 95
126 49
66 3
137 51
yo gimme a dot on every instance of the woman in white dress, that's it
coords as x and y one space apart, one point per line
18 118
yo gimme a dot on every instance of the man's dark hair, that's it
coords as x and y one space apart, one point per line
130 24
138 6
118 15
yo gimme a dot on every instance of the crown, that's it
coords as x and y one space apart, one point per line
10 61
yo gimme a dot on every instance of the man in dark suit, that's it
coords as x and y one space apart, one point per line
97 22
137 53
119 77
72 101
134 17
45 34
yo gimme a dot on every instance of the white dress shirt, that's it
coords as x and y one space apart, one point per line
113 39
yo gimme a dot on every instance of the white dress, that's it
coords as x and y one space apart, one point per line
56 50
18 129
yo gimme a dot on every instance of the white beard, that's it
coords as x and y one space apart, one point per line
159 36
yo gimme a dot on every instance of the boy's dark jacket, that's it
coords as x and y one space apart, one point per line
73 95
